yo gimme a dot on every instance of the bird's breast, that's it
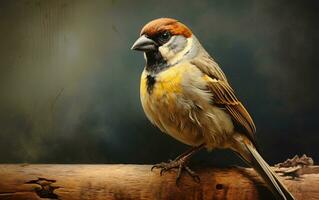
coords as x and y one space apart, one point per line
165 105
175 100
160 94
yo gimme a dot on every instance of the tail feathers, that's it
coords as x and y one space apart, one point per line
248 152
275 185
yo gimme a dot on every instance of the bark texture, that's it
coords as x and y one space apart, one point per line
114 182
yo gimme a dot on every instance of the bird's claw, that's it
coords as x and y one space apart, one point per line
159 165
180 164
195 176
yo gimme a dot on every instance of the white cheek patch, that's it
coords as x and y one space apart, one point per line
172 57
166 52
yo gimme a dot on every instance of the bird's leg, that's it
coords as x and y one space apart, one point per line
181 164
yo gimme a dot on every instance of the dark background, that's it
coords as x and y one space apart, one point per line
69 82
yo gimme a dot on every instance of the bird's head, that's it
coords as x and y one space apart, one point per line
165 40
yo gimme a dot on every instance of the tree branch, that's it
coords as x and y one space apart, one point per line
70 182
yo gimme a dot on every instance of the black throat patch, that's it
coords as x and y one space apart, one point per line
155 63
150 81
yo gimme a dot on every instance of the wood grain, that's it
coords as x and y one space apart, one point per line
114 182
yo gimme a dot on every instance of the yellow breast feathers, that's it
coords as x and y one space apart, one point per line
165 104
165 82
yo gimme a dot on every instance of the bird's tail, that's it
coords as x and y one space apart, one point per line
249 153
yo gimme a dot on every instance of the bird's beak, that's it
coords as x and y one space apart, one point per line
144 44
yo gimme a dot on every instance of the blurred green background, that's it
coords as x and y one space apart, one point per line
70 83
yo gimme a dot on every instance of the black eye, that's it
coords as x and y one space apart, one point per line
164 37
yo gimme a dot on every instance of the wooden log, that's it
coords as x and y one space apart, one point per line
114 182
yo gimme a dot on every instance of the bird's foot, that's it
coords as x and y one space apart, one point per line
180 165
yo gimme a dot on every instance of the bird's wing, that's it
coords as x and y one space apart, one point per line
224 95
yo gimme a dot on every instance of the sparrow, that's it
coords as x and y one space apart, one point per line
186 94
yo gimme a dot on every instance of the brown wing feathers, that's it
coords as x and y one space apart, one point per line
224 95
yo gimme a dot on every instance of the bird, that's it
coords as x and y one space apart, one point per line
185 93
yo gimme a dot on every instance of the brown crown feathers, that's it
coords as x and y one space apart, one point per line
166 24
